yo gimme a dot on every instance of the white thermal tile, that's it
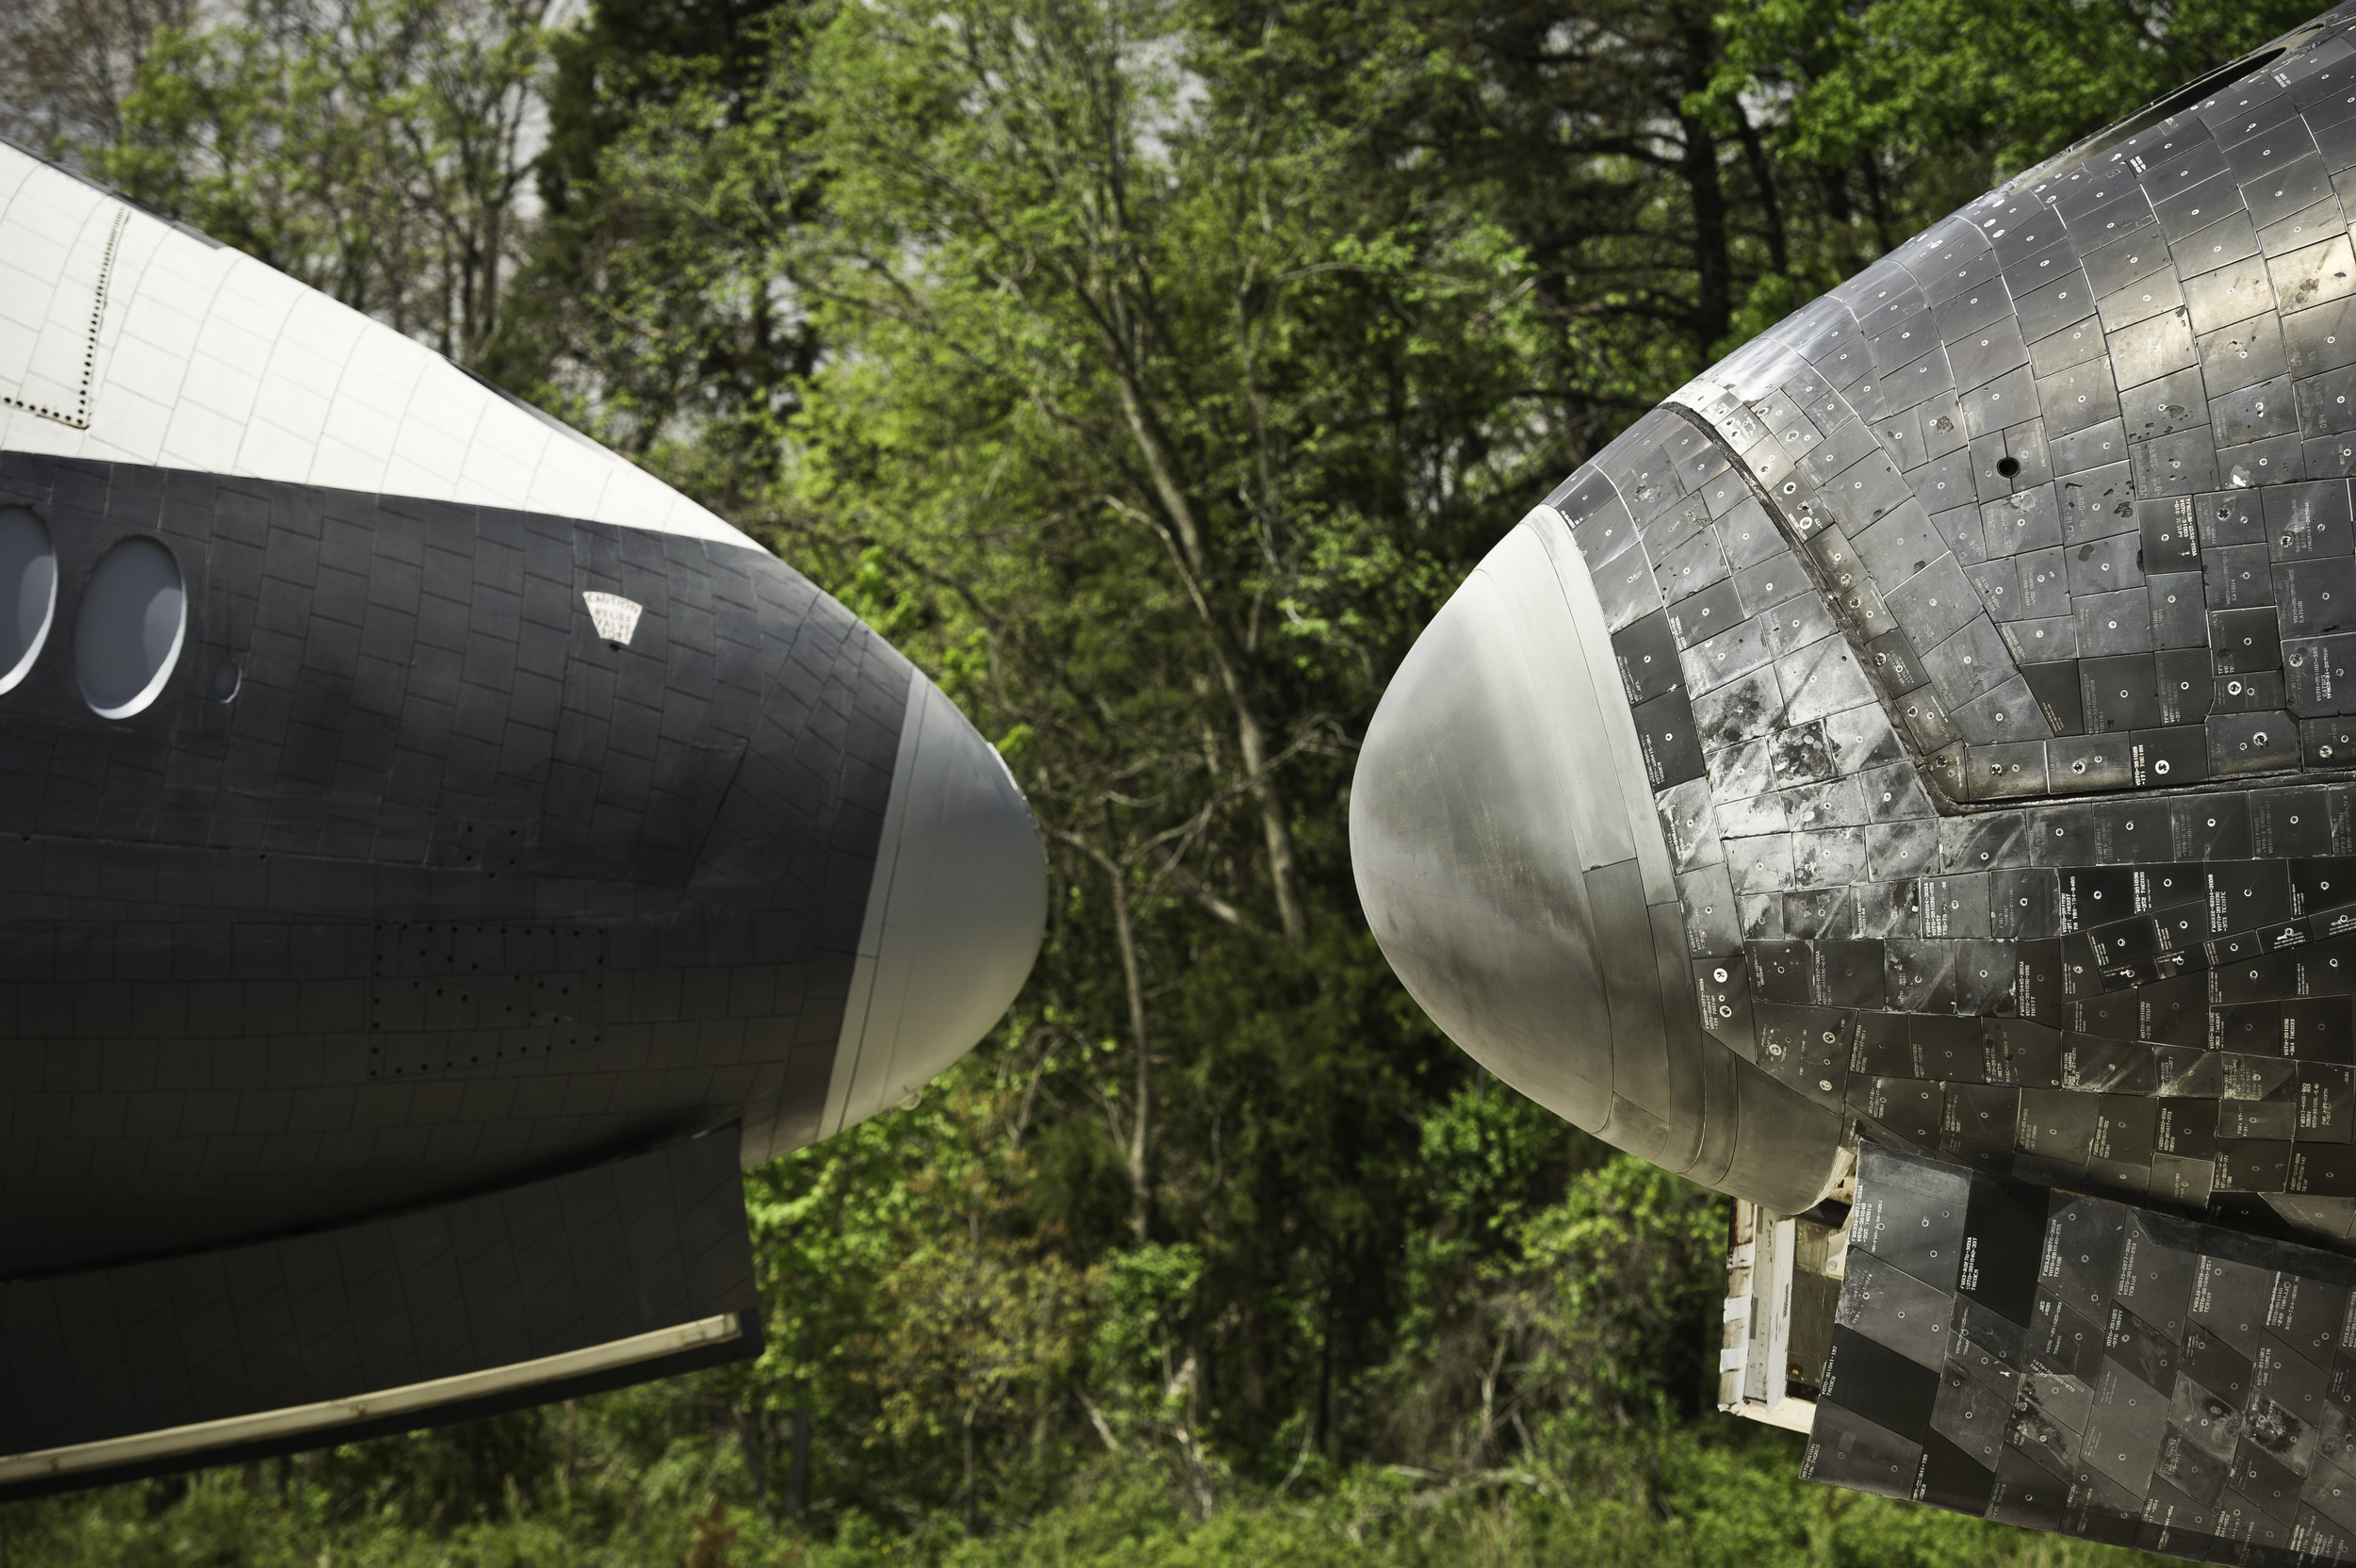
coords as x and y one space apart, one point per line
357 427
24 295
16 346
505 448
425 462
309 371
36 242
185 276
135 249
233 334
641 492
27 431
378 378
327 325
270 449
200 437
145 369
297 410
257 297
407 476
223 383
161 325
447 401
559 483
133 429
349 466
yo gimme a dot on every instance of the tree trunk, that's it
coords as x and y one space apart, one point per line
971 1508
1251 736
1140 1116
1763 172
1713 269
1275 828
1874 202
1325 1387
1714 261
757 1436
797 1465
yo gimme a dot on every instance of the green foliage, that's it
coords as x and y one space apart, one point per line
1922 104
1700 1498
660 307
372 150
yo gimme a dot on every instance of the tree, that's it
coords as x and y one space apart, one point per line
1153 428
67 65
374 149
660 306
1896 112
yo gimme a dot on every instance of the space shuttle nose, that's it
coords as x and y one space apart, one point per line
955 910
1510 863
1495 842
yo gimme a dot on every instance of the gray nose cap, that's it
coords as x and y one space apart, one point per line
955 914
1510 861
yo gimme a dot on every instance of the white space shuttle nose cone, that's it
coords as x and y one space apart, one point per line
955 914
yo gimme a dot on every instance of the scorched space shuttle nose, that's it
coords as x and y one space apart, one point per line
1940 704
1928 734
1509 855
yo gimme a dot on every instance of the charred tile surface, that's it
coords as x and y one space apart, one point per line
2079 1365
2012 590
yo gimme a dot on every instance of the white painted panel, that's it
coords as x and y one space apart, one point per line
123 338
64 253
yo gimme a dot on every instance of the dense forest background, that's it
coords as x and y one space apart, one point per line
1149 370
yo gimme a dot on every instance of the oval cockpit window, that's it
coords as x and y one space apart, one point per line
127 633
28 593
